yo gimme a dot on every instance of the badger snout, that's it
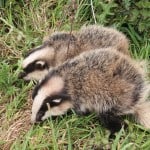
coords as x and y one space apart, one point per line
38 117
22 75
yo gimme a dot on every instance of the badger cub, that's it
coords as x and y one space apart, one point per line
61 46
103 81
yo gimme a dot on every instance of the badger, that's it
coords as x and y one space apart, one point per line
103 81
61 46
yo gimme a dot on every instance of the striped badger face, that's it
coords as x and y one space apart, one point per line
36 63
52 52
49 99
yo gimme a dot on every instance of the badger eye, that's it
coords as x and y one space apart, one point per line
55 102
41 65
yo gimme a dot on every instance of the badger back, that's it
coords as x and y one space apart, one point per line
103 74
95 36
95 81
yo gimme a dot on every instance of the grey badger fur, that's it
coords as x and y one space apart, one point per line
103 81
61 46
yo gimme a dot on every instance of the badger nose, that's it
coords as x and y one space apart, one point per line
21 75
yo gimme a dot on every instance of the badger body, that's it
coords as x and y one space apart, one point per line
61 46
94 37
103 81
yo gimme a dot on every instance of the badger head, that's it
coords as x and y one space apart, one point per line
36 63
52 52
50 99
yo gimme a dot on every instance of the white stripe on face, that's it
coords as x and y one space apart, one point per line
53 86
36 75
37 103
45 53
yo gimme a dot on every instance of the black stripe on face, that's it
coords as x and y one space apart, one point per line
51 100
35 91
52 103
35 66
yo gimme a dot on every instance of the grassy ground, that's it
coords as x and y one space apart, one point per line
22 27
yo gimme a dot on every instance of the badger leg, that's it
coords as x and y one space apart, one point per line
142 113
112 122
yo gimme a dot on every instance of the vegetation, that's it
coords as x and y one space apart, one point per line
23 25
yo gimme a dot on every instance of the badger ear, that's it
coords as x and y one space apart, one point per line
40 64
46 38
48 41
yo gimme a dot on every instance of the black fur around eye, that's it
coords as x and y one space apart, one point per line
49 101
30 67
40 66
35 66
53 103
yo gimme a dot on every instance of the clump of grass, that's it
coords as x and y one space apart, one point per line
23 25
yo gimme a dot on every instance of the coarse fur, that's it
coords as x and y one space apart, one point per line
103 81
61 46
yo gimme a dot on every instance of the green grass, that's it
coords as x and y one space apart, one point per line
23 25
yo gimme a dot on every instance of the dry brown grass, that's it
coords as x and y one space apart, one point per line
16 127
